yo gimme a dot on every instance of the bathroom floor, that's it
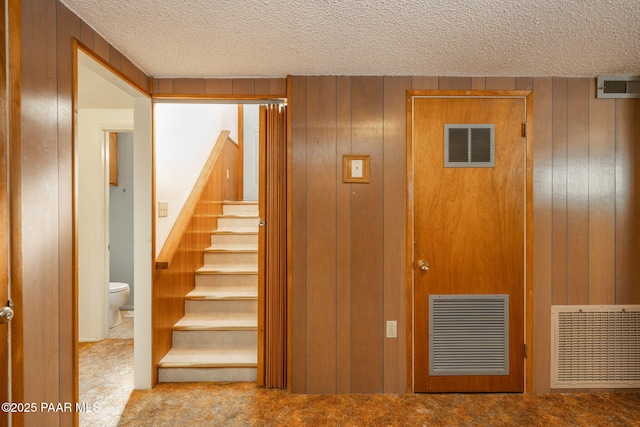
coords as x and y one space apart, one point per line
125 328
106 375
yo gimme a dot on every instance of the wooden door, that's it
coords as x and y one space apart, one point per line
469 244
4 238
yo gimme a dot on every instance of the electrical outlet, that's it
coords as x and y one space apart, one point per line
163 209
392 329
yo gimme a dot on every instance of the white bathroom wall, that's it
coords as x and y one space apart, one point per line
93 268
184 137
121 218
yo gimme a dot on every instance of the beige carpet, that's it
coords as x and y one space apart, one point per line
105 380
244 404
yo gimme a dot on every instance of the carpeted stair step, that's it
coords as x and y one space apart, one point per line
247 237
217 338
234 255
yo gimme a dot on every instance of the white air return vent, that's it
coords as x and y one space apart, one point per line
469 334
469 146
595 346
618 87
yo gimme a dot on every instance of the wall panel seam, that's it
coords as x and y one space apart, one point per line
338 164
615 204
350 231
588 127
383 305
306 221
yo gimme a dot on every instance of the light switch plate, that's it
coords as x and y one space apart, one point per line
356 168
163 209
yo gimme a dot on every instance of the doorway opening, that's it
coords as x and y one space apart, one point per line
106 104
214 293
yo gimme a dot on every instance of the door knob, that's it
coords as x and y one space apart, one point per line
423 265
6 314
261 222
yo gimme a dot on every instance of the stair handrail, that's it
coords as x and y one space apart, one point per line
172 243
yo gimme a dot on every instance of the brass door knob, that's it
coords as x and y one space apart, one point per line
6 314
423 265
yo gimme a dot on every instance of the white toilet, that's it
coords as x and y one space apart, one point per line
118 295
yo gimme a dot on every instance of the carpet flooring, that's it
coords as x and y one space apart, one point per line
105 371
106 379
245 404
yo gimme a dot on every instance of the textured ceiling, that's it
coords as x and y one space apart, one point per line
274 38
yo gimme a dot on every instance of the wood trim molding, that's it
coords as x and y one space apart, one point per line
216 97
469 93
182 222
528 321
409 242
528 95
14 173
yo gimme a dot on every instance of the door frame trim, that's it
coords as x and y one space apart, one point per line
527 96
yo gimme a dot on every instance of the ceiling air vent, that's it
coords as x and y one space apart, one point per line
618 87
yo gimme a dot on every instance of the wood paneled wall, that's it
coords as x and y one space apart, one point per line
276 88
348 257
586 209
41 197
177 278
348 262
586 204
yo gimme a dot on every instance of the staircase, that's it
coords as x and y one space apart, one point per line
216 340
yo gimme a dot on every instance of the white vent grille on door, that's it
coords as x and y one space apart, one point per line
468 334
618 87
595 346
469 146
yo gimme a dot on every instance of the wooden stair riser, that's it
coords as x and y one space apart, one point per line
230 258
237 223
221 308
215 339
225 282
240 209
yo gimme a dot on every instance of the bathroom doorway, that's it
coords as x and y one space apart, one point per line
96 119
112 368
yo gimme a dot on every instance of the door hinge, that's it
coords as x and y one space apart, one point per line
524 349
524 129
